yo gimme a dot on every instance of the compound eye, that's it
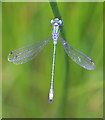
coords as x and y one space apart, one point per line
60 22
52 21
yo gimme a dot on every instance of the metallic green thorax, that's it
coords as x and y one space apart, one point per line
55 29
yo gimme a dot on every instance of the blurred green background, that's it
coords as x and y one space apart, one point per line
26 86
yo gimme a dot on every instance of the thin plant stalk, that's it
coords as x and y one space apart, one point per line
62 106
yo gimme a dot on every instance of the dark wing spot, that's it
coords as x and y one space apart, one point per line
11 53
91 61
15 56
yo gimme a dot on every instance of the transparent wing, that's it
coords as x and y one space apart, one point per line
27 53
77 56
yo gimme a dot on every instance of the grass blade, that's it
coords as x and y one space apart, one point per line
62 106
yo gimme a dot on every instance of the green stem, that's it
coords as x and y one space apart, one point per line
62 106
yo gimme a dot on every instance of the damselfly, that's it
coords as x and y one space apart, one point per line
27 53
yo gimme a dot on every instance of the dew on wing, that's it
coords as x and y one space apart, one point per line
64 43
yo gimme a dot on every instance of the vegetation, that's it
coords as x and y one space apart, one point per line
78 92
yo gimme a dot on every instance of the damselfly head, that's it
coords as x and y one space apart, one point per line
56 21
